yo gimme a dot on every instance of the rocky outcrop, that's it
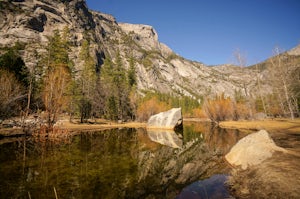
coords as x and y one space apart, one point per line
252 150
275 177
171 119
32 22
158 68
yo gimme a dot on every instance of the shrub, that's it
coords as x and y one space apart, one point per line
219 109
150 107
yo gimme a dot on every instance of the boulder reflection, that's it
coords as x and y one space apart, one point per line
216 138
167 138
117 163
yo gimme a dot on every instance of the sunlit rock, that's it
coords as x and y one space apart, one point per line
252 150
168 138
159 68
171 119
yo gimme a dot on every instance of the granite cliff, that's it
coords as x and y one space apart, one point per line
157 66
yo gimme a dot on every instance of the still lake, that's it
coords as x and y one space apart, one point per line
119 163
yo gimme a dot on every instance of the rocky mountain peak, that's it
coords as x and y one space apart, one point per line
157 66
145 35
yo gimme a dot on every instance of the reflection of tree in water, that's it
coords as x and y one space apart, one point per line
215 137
222 139
120 163
103 163
192 131
165 171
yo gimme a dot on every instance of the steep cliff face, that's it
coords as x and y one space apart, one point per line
157 66
33 21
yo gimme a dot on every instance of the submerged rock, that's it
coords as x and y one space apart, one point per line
171 119
252 150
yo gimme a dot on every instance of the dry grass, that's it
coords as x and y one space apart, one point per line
269 125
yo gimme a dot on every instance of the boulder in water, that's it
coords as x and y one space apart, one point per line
171 119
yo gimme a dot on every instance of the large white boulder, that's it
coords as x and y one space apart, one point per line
171 119
252 150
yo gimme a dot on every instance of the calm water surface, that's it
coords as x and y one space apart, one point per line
119 163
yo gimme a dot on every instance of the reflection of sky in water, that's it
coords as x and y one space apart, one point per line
212 188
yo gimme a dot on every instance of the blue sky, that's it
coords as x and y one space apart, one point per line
210 31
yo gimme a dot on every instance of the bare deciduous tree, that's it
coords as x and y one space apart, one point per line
11 92
242 62
283 76
54 93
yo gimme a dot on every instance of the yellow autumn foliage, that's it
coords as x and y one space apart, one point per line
150 107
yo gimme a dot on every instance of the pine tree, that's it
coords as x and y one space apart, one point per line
115 86
131 73
86 81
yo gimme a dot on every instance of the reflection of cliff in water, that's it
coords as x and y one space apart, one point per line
165 169
216 138
119 163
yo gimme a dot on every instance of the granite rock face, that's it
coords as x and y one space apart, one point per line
158 68
32 22
171 119
252 150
